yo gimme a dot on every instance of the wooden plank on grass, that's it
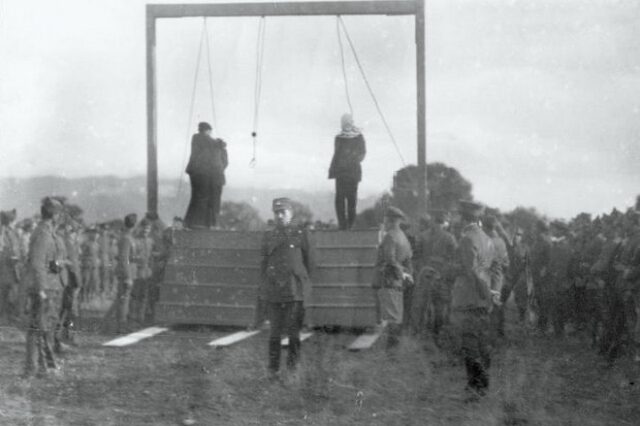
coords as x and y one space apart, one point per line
303 337
233 338
132 338
364 341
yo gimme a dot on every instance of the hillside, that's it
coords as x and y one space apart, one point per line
108 197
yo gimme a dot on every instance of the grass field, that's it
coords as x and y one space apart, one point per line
175 378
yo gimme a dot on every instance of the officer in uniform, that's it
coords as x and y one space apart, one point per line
125 273
144 250
393 273
437 250
498 268
44 288
10 267
90 258
69 309
287 260
473 299
519 280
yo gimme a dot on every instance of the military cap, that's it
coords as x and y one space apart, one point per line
6 217
91 230
425 219
145 222
27 224
130 220
471 209
282 203
50 206
204 126
394 212
441 216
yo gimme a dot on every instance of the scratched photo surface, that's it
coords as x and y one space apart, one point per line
369 212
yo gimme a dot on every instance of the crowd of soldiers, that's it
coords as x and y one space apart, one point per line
52 265
580 278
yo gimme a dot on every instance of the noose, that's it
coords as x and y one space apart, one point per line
257 88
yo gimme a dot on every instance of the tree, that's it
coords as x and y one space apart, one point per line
445 186
239 217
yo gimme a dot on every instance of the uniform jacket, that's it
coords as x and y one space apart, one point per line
10 255
500 262
348 153
63 255
437 248
43 254
144 250
208 157
287 261
559 261
394 258
472 286
126 267
90 254
72 249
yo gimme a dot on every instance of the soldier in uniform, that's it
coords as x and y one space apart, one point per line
540 252
499 265
437 250
69 308
10 268
519 280
555 293
144 250
106 260
287 261
44 291
393 273
126 272
473 299
90 259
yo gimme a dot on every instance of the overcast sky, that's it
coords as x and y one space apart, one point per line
536 102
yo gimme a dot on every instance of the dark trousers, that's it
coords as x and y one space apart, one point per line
204 206
69 307
346 200
476 342
43 332
285 317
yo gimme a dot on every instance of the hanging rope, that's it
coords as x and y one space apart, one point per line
344 71
257 88
193 99
373 96
213 106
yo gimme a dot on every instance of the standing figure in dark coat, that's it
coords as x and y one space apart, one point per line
473 298
206 168
287 261
349 151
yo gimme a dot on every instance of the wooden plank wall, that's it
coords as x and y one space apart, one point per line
212 278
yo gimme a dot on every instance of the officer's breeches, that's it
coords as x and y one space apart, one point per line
123 298
42 332
473 328
285 317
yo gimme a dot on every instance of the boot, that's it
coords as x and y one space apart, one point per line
274 355
294 353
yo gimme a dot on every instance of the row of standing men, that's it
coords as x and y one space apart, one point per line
47 272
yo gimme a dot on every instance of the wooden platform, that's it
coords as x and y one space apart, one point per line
212 278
